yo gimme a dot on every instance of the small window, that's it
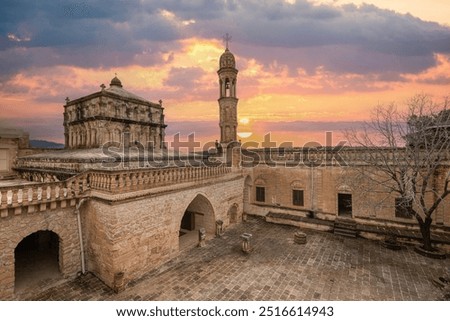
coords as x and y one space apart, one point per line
297 197
403 207
260 194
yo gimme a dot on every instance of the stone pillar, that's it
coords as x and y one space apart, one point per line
246 242
300 238
201 237
219 228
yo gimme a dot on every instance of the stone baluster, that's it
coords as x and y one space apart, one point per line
155 175
84 184
134 180
127 182
179 174
151 177
97 181
9 197
20 196
91 179
98 184
48 193
30 195
164 176
100 181
121 182
76 186
114 182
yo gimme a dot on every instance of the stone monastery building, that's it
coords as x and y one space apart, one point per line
123 213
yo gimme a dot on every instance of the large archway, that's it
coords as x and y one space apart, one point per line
36 260
199 214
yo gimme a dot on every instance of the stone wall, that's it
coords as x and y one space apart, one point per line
14 229
321 186
136 236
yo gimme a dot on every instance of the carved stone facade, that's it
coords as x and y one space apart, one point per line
113 115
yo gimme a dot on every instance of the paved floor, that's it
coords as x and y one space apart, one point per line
328 267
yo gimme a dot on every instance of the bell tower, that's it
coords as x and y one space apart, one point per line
227 97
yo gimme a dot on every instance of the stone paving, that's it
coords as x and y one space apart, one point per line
328 267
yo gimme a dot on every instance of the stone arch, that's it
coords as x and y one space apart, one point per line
37 257
343 188
198 214
260 181
297 184
233 213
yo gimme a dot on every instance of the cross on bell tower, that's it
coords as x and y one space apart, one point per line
227 96
226 39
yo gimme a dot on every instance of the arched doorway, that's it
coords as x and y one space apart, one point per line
36 260
199 214
233 214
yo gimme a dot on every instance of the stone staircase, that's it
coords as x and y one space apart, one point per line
345 226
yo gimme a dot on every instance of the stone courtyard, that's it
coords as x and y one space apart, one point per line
328 267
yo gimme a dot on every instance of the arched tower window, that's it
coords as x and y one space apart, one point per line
227 88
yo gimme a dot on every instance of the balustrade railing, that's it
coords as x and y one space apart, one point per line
109 181
327 155
122 181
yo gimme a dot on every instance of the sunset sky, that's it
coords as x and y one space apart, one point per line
305 67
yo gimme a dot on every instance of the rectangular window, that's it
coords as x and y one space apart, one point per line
403 207
297 197
4 160
260 194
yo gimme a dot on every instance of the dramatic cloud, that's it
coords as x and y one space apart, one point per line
297 60
299 35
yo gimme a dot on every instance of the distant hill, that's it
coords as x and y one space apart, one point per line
45 144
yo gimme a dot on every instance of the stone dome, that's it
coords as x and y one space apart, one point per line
116 82
227 60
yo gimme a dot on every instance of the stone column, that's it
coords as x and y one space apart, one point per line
219 228
246 242
201 237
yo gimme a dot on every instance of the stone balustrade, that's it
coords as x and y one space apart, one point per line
28 198
132 180
326 156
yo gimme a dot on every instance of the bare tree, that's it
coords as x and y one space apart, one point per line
407 154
